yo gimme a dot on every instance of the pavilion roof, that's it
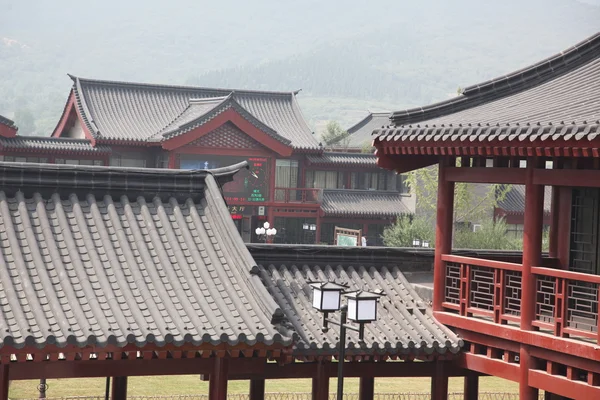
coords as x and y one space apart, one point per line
552 103
343 159
43 144
105 256
514 201
364 203
360 133
8 122
139 112
405 325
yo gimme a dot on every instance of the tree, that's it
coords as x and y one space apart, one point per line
406 229
490 236
367 148
472 202
335 134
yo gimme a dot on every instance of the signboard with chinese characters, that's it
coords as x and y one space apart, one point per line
347 237
248 185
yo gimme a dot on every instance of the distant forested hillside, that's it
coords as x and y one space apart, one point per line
346 56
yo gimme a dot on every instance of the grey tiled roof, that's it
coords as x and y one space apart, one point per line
371 203
356 159
37 144
100 256
8 122
405 325
555 99
361 133
200 111
514 201
127 111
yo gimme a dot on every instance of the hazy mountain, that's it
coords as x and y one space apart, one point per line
347 56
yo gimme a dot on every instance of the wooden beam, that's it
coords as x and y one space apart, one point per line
486 175
489 366
439 383
532 245
575 347
443 232
138 367
320 383
119 388
257 389
217 386
4 381
562 386
471 391
366 388
526 363
567 177
554 221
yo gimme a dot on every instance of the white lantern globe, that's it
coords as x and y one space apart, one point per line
327 295
267 225
362 306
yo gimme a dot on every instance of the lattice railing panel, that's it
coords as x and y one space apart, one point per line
482 288
452 283
582 306
512 293
545 298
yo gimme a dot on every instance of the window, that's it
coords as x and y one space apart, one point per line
325 179
77 162
127 160
24 159
286 173
515 230
584 230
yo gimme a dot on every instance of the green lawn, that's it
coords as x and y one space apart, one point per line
191 384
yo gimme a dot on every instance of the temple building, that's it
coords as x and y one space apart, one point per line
293 183
532 319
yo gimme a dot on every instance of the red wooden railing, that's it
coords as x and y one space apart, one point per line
566 302
484 288
298 195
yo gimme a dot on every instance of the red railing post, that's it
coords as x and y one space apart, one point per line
559 306
498 295
465 282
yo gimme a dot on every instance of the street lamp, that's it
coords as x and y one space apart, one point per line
265 231
361 308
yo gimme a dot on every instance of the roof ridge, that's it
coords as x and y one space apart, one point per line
366 119
517 81
183 87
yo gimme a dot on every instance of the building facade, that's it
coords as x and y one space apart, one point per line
292 182
532 319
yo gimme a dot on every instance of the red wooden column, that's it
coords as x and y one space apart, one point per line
257 389
443 233
532 256
320 383
119 388
366 388
471 390
554 221
564 226
439 382
4 382
217 387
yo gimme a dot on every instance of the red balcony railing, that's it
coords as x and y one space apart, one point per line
484 288
566 302
297 195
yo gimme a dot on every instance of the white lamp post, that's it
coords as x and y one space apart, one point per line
361 308
265 232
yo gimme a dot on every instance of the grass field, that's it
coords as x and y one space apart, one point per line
191 384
